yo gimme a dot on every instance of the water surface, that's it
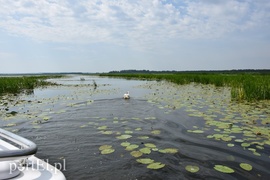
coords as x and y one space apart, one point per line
70 122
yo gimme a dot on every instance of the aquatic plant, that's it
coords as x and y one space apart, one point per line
20 84
243 86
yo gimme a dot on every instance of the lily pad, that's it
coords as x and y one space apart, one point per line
169 150
156 132
128 132
192 169
107 151
197 131
131 147
124 136
143 137
125 144
223 169
245 144
145 160
102 128
156 165
246 166
145 150
136 154
105 147
150 145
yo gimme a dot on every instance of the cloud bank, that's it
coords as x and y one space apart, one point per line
133 23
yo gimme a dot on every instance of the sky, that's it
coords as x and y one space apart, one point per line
39 36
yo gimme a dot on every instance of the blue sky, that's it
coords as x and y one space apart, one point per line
105 35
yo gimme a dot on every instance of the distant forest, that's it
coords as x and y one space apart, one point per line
234 71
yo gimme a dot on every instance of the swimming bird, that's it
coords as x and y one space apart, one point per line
126 95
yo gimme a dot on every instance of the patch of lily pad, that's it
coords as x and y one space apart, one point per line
106 149
223 169
124 136
246 166
168 150
192 169
156 165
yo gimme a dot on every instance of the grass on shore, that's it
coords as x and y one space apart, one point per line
248 87
20 84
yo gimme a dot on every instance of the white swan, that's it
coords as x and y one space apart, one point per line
126 95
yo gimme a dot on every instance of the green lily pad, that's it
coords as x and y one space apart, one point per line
156 165
223 169
136 154
156 132
131 147
145 150
102 128
138 129
125 144
105 147
143 137
197 131
107 151
145 160
128 132
169 150
246 166
239 140
226 139
230 145
150 145
245 144
124 136
192 169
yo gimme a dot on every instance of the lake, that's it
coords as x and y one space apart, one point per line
164 131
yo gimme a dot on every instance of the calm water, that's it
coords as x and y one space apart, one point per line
68 123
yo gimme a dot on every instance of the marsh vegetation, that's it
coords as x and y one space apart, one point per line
247 86
23 83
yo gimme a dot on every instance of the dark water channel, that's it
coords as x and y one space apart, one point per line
69 123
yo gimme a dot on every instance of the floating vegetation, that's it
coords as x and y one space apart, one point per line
102 127
156 132
150 145
107 132
192 169
124 136
243 86
156 165
125 144
223 169
196 131
106 149
25 83
145 160
136 154
168 150
145 150
131 147
246 166
209 110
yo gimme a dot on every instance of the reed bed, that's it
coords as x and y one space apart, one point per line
248 87
20 84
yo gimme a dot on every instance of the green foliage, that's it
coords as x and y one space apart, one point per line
248 86
20 84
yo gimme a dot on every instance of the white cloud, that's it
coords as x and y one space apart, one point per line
135 23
